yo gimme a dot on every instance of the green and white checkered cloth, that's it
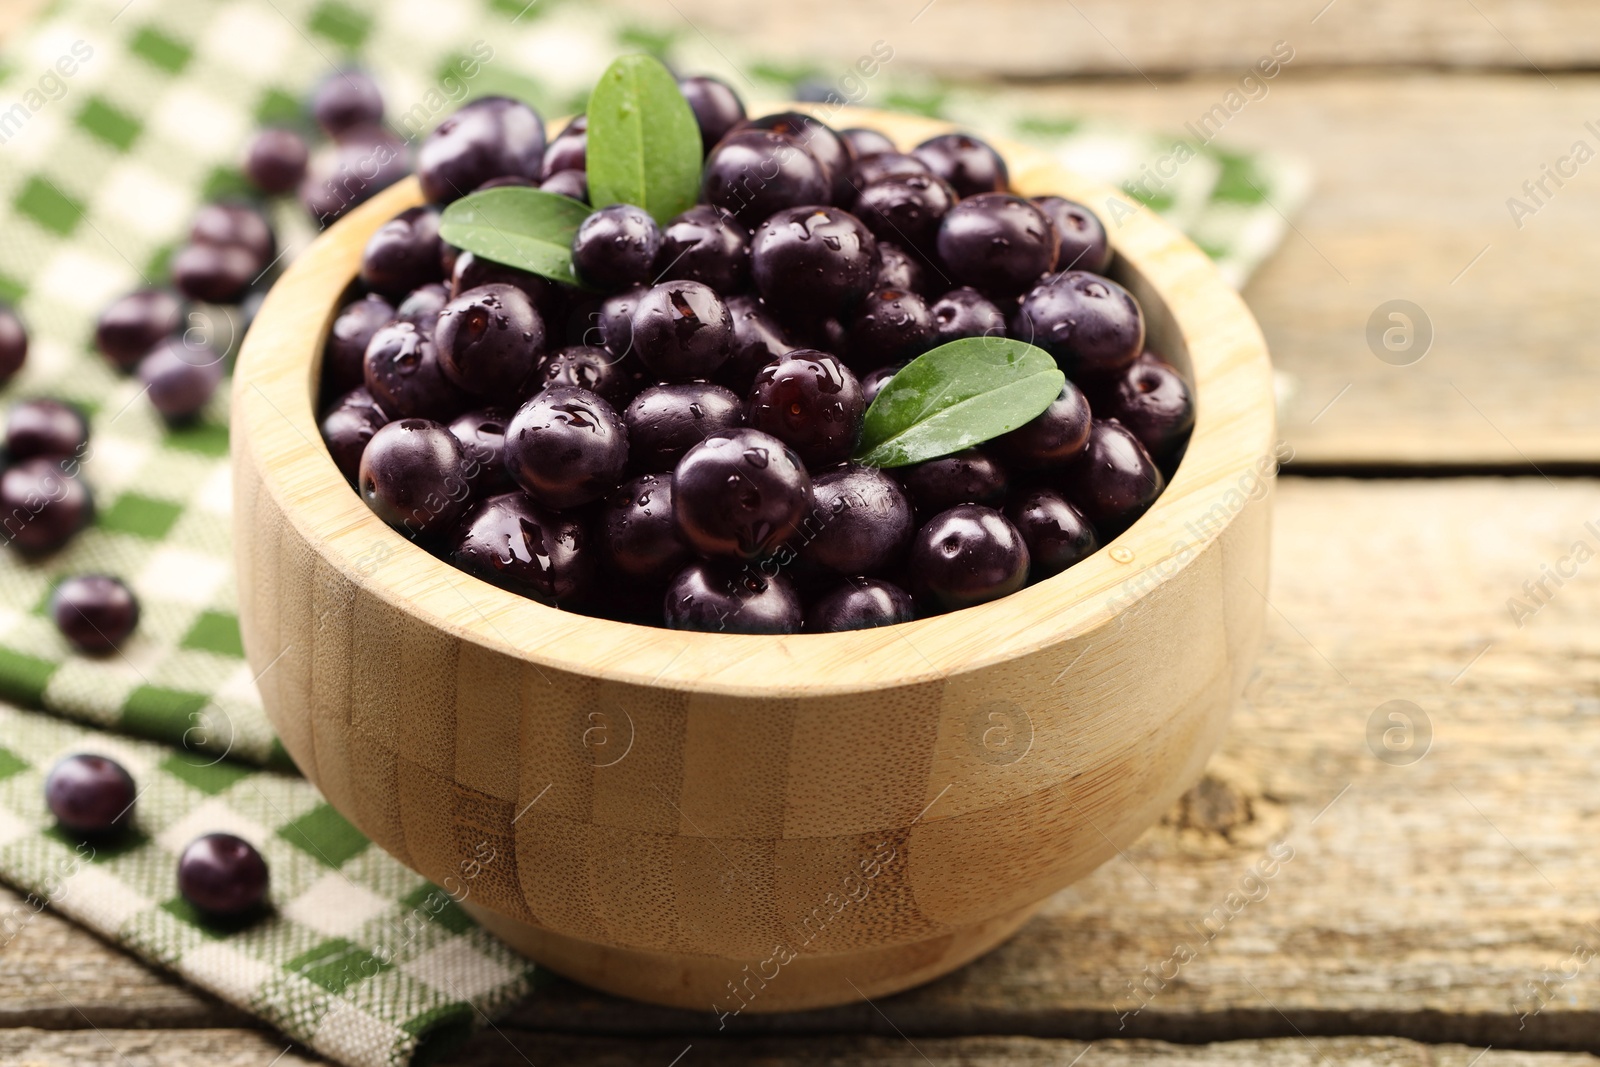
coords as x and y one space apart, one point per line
117 118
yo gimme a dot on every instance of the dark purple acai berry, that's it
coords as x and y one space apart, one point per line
586 367
899 269
860 604
861 522
884 166
811 402
566 447
222 876
215 273
1152 400
640 537
966 556
1056 533
94 612
1113 481
997 243
487 138
568 150
682 330
1081 242
970 476
180 378
705 244
482 434
906 210
755 173
472 272
43 505
235 224
665 421
873 383
348 340
968 164
90 796
488 340
422 305
569 183
724 596
276 160
403 254
343 175
513 542
411 476
890 326
717 108
809 263
965 312
865 142
347 426
1051 439
821 141
740 494
134 324
758 339
346 100
44 427
1092 325
616 247
401 370
508 181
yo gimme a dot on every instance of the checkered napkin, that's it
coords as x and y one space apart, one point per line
117 117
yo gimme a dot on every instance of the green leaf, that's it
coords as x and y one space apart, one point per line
525 228
958 395
644 144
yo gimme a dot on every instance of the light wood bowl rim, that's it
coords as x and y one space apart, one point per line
274 419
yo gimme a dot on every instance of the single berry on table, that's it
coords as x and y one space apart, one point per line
997 243
180 378
223 876
966 556
276 161
214 273
488 340
96 613
348 340
968 164
411 476
1113 480
347 100
682 330
44 505
812 262
235 224
513 542
755 173
1056 533
135 324
665 421
724 596
401 369
1081 238
403 254
566 447
489 137
90 795
348 425
637 528
44 427
705 244
970 476
616 247
717 108
965 312
890 326
344 175
860 604
862 521
1051 439
1092 325
740 494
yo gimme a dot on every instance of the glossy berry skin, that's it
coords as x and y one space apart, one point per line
717 108
705 244
966 556
511 541
90 796
811 402
906 210
862 521
724 596
965 312
215 273
1113 481
860 605
341 176
890 326
401 370
821 141
569 150
566 447
96 613
348 340
616 247
403 254
899 269
758 339
865 142
488 340
968 164
665 421
812 262
347 426
638 532
997 243
1092 325
411 476
470 272
346 100
180 380
1053 438
1153 401
884 166
739 494
482 434
44 506
1056 533
970 476
682 330
873 383
234 224
133 325
222 876
755 173
487 138
1081 241
422 305
611 326
276 160
44 427
586 367
569 183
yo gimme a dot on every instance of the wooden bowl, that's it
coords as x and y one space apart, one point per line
754 823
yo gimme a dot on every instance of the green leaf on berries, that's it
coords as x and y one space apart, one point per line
524 228
643 143
958 395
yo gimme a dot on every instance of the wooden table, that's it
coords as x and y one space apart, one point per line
1441 893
